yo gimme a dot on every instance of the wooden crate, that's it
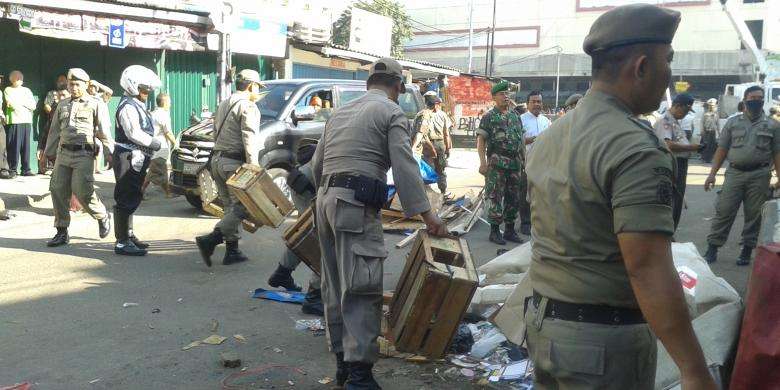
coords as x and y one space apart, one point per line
301 238
264 201
211 203
436 286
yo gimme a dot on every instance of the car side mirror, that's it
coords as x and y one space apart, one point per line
302 114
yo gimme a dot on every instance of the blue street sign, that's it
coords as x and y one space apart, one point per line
116 34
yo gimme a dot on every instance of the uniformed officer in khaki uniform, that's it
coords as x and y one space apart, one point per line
77 122
751 143
668 129
236 127
600 185
361 141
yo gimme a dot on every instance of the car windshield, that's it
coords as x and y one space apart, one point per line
273 98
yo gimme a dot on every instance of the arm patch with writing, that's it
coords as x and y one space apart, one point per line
664 192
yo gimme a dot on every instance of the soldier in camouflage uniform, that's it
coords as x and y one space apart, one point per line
501 157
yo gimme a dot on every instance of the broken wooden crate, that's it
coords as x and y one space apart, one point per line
264 201
211 203
301 238
434 291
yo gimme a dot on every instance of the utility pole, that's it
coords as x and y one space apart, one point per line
493 39
471 34
558 77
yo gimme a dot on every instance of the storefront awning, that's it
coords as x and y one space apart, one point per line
343 52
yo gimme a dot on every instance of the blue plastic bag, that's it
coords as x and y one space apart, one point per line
280 296
427 172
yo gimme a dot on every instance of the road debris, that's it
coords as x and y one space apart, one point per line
96 380
191 345
229 360
214 325
155 310
239 338
214 339
280 296
129 304
325 380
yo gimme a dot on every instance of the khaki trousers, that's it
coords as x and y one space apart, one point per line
353 250
74 174
748 188
571 355
222 168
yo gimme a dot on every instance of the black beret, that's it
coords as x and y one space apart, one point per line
631 25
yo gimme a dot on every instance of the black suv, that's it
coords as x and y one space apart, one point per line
288 114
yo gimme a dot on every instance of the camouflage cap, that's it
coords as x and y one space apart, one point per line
631 25
78 74
502 86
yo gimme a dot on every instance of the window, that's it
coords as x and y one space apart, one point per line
321 100
756 28
752 1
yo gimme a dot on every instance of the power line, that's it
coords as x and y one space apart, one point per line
448 39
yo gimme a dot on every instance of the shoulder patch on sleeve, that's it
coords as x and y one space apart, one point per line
662 171
664 192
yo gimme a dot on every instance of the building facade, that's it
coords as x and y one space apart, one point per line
536 40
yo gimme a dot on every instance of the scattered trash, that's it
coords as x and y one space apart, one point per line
180 300
229 360
467 372
325 381
96 380
150 326
239 338
214 339
462 341
291 383
500 252
155 310
280 296
191 345
214 325
277 350
129 304
18 386
313 325
487 343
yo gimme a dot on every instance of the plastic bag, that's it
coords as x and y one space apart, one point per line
427 172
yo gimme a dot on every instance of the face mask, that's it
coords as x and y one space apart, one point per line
754 107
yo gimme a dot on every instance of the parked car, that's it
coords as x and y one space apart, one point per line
287 116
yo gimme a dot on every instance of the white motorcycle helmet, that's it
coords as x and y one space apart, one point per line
136 77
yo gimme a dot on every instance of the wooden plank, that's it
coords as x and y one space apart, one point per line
276 195
387 297
402 309
406 282
406 241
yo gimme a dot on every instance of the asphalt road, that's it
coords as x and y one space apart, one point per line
63 324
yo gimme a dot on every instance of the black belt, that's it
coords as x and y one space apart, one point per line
232 155
595 314
750 167
371 192
76 148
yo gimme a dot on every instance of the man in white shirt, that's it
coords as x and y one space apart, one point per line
534 124
158 167
19 106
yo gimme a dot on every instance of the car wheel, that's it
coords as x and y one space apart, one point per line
279 176
194 200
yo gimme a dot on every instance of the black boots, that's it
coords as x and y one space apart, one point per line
342 370
495 235
124 246
312 304
104 226
207 243
132 236
282 277
361 377
712 254
59 239
744 256
232 254
511 235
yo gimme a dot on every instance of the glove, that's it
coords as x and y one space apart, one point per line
155 144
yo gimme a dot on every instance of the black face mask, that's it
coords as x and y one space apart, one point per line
754 108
